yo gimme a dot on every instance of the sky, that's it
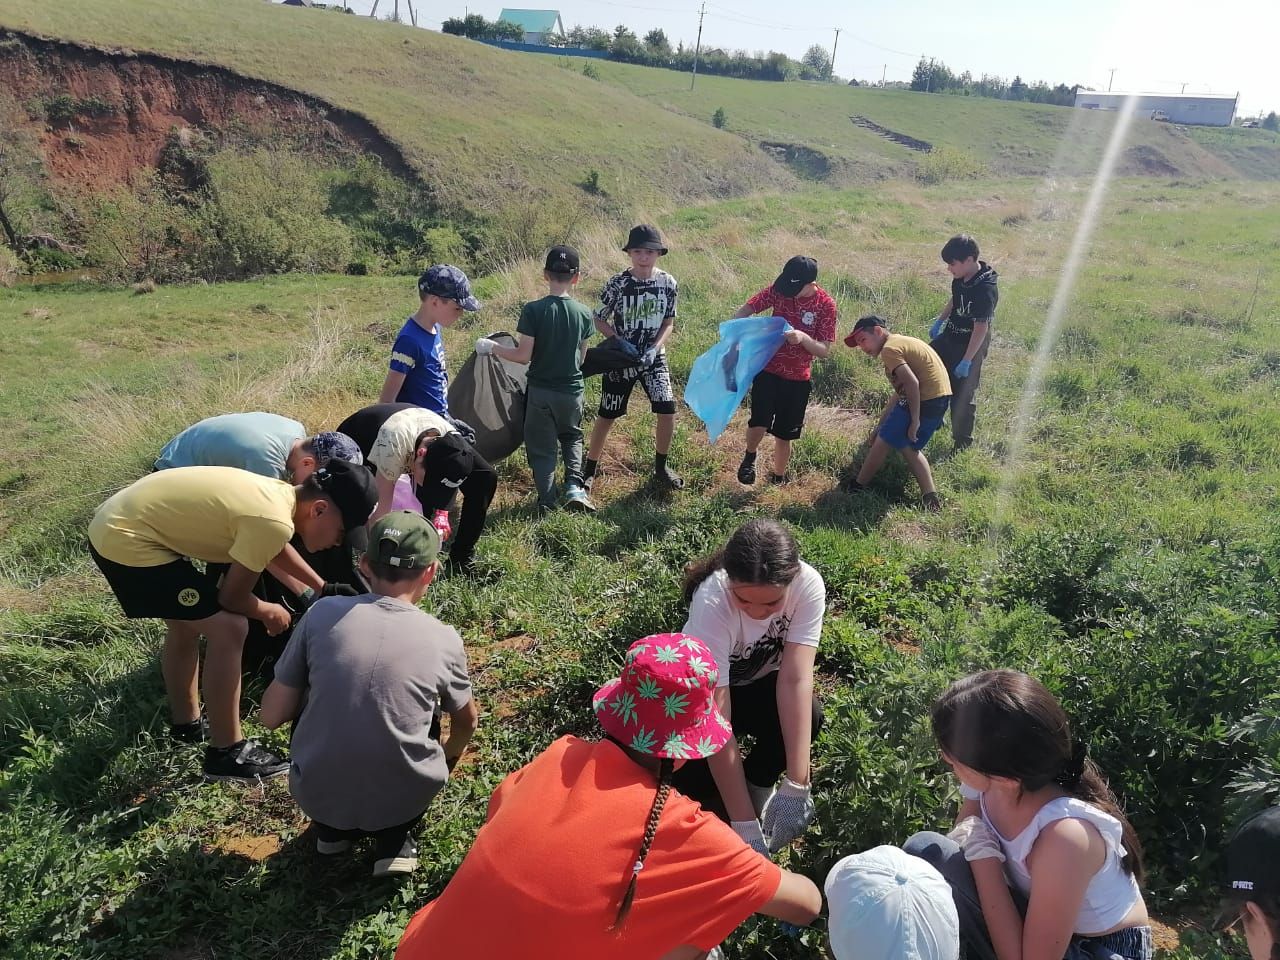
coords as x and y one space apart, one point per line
1154 45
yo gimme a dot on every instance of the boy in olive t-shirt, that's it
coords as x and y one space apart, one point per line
553 335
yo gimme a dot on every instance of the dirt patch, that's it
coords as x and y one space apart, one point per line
255 848
110 114
1148 161
1166 938
801 160
844 422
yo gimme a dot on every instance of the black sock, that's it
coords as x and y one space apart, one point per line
589 468
659 462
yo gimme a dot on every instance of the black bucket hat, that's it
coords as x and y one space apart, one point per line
645 236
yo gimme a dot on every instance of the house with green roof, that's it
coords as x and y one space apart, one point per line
538 25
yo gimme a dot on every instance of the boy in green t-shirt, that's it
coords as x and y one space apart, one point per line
553 337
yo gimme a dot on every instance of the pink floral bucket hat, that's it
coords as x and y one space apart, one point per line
663 705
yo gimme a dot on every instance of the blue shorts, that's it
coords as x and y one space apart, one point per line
894 431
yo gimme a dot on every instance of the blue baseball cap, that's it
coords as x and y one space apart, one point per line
449 283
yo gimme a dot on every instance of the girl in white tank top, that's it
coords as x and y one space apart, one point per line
1055 864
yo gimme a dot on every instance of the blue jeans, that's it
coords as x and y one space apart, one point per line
945 855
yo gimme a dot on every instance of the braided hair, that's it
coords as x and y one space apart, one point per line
665 772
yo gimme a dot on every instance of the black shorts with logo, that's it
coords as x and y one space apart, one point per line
778 404
172 591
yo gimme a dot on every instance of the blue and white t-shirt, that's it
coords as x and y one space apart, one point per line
419 355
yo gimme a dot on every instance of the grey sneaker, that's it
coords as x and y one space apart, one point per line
330 848
575 499
245 762
406 861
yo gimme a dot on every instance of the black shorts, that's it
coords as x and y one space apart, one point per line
172 591
778 404
616 385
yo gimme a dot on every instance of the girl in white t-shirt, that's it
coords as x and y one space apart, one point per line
1042 861
759 609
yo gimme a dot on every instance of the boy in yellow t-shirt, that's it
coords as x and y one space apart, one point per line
144 540
922 393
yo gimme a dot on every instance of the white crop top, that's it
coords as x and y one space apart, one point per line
1111 893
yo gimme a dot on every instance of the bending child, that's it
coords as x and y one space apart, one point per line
1065 882
1252 883
759 608
780 392
589 852
638 307
375 673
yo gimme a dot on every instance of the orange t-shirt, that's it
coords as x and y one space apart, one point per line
547 871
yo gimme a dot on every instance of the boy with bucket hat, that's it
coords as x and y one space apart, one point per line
638 307
418 373
780 392
376 673
589 852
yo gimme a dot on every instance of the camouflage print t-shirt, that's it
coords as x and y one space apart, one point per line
636 308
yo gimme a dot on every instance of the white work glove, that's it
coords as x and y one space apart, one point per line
484 347
787 814
977 840
751 834
649 357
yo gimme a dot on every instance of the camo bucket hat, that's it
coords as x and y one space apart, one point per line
663 704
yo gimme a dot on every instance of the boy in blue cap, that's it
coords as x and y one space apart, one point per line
418 373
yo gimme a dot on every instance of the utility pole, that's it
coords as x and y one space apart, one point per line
1113 76
1184 89
883 73
698 48
834 47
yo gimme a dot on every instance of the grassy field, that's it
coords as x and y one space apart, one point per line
1128 555
480 125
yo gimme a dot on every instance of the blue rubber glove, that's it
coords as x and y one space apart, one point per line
962 368
937 328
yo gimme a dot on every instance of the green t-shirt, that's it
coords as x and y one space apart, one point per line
558 326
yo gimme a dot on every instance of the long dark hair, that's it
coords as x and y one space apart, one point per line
666 769
1003 723
761 551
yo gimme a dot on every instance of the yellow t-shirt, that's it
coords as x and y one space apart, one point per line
923 361
215 514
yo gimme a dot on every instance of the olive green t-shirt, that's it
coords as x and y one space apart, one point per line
558 326
922 360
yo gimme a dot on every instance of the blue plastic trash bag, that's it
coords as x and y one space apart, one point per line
721 377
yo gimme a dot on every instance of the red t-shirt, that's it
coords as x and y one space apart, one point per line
547 871
815 315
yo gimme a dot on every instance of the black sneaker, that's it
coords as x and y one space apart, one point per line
851 485
747 471
245 761
406 861
195 731
666 477
779 479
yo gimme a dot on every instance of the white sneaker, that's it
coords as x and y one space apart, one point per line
575 499
406 861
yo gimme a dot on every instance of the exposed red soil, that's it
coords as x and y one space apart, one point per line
147 97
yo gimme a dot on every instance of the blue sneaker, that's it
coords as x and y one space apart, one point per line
575 499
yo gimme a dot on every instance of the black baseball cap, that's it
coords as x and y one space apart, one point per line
1253 856
562 259
869 322
351 489
446 465
798 273
645 236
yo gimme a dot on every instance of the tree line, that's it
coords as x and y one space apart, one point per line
654 49
933 76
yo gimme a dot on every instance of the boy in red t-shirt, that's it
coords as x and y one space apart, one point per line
780 392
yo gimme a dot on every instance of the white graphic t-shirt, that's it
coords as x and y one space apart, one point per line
747 649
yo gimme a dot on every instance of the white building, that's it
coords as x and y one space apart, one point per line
1206 110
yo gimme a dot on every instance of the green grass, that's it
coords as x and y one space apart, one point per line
1133 568
476 122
